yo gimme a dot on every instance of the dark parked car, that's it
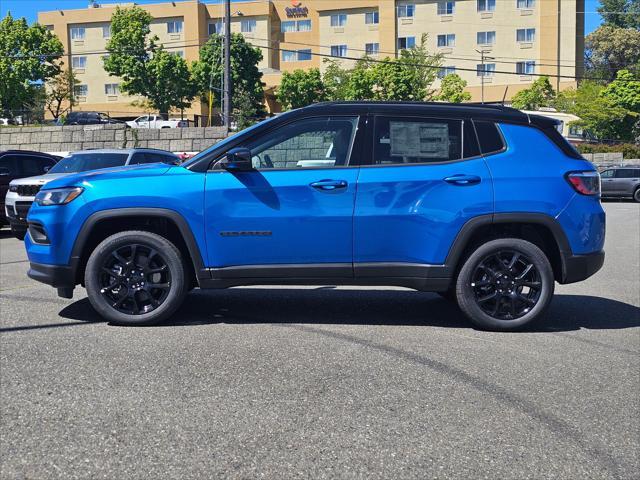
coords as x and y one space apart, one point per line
90 118
16 164
621 182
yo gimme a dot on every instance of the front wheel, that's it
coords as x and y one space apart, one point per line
19 233
505 284
136 278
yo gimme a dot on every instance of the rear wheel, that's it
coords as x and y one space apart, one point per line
136 278
505 284
636 195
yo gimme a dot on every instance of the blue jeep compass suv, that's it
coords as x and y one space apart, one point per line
486 205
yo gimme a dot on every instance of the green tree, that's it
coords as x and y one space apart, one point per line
624 91
300 88
247 89
145 67
540 94
28 57
609 49
59 95
620 13
452 89
598 113
335 79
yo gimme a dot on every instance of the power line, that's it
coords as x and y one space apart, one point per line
323 55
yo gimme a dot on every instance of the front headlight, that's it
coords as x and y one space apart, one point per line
13 188
58 196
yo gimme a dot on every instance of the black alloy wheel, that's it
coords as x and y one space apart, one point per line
506 285
135 279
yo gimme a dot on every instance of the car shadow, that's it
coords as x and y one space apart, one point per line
325 305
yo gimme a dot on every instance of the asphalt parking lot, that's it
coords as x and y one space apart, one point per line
324 383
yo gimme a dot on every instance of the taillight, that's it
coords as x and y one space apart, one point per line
585 183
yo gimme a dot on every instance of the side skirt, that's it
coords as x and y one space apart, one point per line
428 278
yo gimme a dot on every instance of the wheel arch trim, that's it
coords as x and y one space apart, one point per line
180 222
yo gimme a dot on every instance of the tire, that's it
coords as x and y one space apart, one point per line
136 278
636 195
19 233
497 297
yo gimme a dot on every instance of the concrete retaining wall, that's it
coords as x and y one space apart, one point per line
78 137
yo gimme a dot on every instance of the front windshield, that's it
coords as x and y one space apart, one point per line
222 143
89 161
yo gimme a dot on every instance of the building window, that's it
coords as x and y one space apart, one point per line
486 5
406 11
338 20
77 33
304 55
486 70
447 40
526 68
216 28
174 26
446 8
406 42
525 3
295 26
81 90
444 71
303 25
106 31
111 89
248 26
486 38
177 53
372 48
338 50
296 55
526 35
372 18
79 62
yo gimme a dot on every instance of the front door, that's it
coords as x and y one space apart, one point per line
295 210
425 180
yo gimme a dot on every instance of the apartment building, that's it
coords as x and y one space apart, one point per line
498 46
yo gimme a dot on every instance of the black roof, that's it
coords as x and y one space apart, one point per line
475 110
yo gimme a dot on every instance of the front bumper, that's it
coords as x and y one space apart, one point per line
61 277
580 267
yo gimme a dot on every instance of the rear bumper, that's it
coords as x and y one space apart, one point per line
580 267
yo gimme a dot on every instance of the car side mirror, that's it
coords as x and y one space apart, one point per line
238 160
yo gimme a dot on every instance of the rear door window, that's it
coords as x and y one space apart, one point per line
489 137
415 140
626 173
8 166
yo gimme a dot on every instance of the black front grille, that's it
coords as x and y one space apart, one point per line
22 209
28 190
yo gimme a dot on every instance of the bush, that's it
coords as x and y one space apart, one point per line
629 150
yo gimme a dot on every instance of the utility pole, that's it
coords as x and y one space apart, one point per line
482 59
227 65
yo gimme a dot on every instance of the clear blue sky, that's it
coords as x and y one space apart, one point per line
30 8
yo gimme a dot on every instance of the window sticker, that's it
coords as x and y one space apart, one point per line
424 140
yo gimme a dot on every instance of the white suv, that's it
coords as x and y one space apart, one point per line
22 192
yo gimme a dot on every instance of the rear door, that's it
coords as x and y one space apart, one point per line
424 180
9 170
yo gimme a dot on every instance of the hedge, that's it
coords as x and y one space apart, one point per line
629 150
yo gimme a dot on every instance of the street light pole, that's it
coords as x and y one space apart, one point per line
227 65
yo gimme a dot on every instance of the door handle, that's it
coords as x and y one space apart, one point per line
463 180
329 185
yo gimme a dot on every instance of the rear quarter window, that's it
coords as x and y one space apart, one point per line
489 137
